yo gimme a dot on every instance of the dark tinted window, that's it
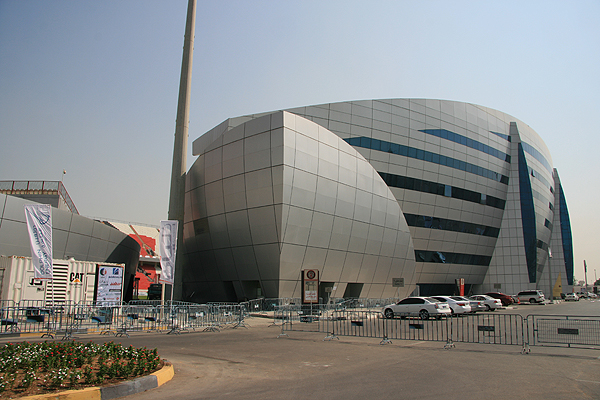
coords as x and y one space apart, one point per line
376 144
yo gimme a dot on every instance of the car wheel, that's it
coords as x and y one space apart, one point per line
532 301
424 314
389 314
488 308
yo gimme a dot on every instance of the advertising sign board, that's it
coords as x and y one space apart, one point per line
109 288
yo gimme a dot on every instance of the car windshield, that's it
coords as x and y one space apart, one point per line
432 300
457 298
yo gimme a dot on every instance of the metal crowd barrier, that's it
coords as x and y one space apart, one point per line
477 328
484 328
546 330
339 317
68 319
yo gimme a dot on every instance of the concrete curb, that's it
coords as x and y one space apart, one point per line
122 389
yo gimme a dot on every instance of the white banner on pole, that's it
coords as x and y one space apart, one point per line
39 224
168 250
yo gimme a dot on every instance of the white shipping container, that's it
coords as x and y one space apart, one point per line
73 280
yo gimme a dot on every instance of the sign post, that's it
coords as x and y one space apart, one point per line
310 286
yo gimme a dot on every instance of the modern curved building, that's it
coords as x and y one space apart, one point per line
373 193
73 236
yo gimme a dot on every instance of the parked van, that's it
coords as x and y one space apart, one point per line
532 296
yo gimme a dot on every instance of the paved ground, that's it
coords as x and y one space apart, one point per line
254 364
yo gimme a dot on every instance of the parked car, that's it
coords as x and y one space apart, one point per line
490 303
476 305
571 297
587 295
532 296
504 298
457 304
423 307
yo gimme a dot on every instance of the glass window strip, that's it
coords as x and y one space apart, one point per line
537 155
527 216
425 221
446 257
540 178
468 142
411 152
405 182
566 236
502 135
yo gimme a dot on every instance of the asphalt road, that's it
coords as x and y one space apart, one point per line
254 363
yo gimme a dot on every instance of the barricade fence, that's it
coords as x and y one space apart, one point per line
69 319
564 330
483 328
338 317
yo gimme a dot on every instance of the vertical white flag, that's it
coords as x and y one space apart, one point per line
39 224
168 250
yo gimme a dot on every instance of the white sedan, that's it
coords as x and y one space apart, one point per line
423 307
457 304
490 303
571 297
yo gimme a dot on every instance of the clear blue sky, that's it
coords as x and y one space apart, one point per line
91 86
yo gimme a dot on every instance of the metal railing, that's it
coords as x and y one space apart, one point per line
350 317
69 319
39 187
564 330
483 328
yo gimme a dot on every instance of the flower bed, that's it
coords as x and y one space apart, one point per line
35 368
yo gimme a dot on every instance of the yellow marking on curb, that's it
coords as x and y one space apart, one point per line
92 393
164 375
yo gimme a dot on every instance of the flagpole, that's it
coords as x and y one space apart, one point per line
585 270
